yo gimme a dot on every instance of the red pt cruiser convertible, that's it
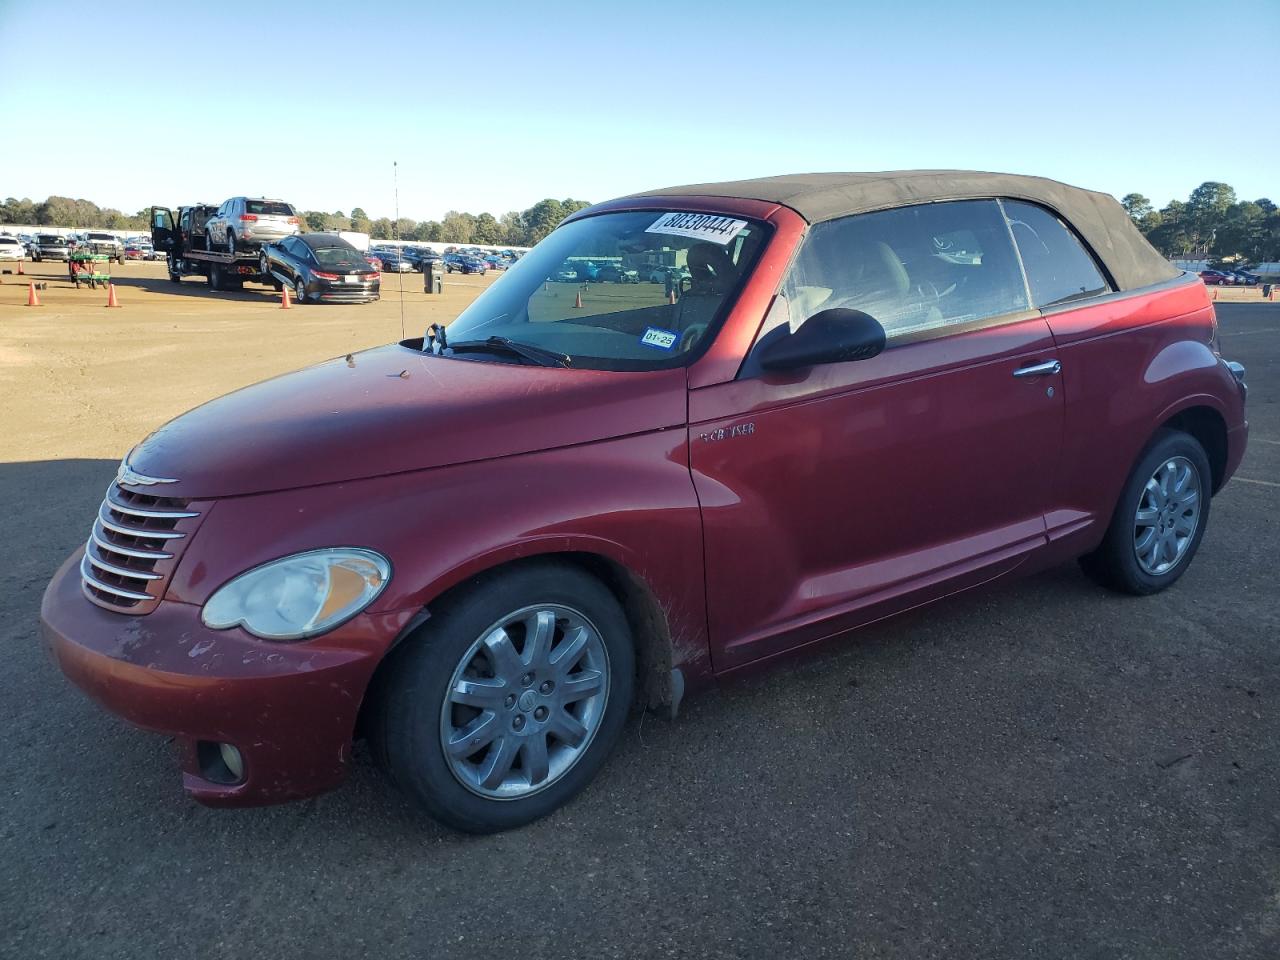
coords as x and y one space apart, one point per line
692 430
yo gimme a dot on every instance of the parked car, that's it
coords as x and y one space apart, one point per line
321 268
1245 279
135 251
463 263
102 243
495 262
374 261
425 259
878 391
246 223
566 274
660 274
614 273
1216 278
394 261
11 248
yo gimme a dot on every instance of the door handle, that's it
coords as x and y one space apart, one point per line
1048 368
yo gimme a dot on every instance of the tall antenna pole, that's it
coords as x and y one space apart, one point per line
395 235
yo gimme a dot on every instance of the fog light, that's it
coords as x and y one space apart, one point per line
231 757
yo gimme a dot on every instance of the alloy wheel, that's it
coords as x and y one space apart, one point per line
525 702
1167 516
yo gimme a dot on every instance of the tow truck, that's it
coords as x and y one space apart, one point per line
182 239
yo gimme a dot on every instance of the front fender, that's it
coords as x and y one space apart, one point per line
630 500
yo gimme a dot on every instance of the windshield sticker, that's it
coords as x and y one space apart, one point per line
662 339
699 226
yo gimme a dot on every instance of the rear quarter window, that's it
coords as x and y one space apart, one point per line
1059 269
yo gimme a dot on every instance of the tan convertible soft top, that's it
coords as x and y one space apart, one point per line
1100 220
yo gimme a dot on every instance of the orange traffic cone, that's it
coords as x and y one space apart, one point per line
671 297
33 299
284 298
1215 293
577 303
21 272
111 295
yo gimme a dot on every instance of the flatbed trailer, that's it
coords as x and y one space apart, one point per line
182 240
221 270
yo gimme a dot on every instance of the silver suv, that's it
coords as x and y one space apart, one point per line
244 223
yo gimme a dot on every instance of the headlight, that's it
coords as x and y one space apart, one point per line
299 596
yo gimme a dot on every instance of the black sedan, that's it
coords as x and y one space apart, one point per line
321 268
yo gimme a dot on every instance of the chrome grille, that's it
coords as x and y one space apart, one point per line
134 547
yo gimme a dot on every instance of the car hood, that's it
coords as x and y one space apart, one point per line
391 410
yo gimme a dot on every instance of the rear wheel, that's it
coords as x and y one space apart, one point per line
299 291
509 700
231 242
1160 519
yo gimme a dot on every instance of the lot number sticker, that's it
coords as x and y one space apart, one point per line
699 226
662 339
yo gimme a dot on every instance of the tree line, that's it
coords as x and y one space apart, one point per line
1213 224
518 228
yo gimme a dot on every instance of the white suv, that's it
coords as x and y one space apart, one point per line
244 223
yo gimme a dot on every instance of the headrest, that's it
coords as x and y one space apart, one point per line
709 264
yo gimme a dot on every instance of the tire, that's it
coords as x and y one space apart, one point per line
208 241
299 291
1130 559
215 277
231 242
412 716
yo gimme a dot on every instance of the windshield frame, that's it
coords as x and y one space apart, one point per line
725 309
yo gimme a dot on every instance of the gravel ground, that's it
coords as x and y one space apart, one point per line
1038 770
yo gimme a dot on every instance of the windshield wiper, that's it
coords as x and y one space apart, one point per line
546 358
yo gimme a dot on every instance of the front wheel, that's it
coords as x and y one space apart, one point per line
1159 521
509 700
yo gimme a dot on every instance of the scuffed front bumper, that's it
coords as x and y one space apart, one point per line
290 709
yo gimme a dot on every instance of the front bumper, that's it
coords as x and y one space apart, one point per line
289 708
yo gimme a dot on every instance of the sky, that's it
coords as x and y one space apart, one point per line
484 106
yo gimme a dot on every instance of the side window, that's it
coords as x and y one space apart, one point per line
915 269
1059 269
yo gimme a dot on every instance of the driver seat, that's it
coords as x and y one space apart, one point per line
710 272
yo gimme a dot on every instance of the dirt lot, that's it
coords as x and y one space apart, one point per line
85 381
1040 770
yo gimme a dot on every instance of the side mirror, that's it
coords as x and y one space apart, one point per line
829 336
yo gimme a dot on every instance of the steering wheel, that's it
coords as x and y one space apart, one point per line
691 335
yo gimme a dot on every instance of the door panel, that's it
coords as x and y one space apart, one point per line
839 494
162 228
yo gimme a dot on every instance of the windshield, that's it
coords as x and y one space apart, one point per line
347 258
620 291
